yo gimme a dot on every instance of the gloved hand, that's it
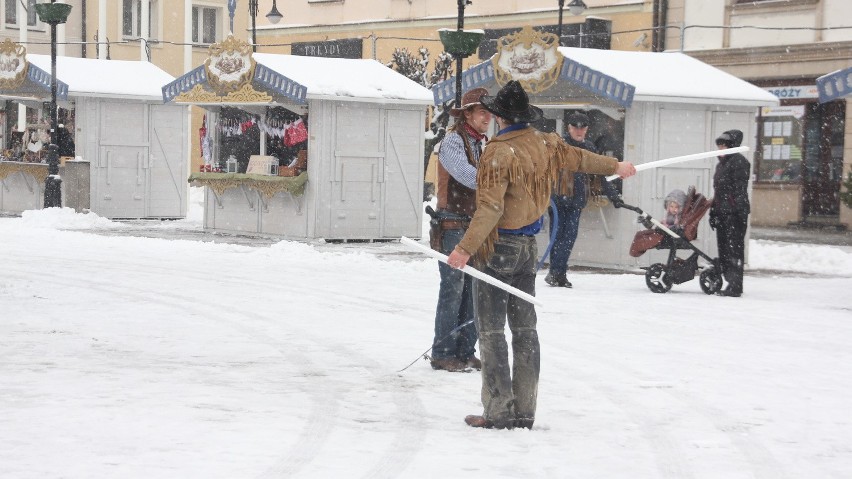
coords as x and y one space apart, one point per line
714 221
617 202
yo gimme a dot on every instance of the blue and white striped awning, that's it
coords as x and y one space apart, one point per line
835 85
271 81
598 85
37 85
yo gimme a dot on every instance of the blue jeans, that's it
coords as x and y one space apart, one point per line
566 234
506 395
455 307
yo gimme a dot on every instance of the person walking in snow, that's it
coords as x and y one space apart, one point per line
514 182
729 211
456 190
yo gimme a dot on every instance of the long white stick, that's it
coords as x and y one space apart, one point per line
473 272
679 159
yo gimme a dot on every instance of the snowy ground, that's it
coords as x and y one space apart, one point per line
131 357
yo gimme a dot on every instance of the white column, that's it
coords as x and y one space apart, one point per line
102 28
143 29
21 15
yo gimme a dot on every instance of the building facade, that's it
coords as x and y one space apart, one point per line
804 147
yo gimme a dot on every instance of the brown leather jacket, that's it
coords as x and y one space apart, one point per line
514 180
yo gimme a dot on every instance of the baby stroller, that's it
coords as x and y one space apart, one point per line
660 277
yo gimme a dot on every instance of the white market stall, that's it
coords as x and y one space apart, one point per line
644 107
131 150
357 174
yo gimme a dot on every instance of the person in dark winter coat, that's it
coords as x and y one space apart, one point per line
570 195
729 211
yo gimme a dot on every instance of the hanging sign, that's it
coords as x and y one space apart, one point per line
13 65
530 57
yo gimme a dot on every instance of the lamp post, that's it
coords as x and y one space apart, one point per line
274 16
53 14
576 7
559 27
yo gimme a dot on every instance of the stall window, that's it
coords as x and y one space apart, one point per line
11 13
131 23
205 21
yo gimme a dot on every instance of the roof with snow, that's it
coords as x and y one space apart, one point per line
94 77
618 78
835 85
299 78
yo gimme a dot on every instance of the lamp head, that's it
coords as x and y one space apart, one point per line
274 16
577 7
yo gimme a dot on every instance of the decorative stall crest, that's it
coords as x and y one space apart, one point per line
230 65
13 65
530 57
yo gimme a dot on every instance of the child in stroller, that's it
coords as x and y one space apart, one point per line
680 231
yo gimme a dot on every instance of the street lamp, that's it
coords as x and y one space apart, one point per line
53 14
576 7
274 16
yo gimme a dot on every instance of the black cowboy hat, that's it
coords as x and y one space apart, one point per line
513 104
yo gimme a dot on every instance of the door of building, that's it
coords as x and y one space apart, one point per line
823 159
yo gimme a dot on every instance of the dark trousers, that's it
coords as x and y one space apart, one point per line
566 233
730 236
455 307
509 392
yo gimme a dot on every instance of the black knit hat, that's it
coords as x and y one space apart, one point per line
513 104
730 138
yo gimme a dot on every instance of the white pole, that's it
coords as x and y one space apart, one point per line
679 159
473 272
102 29
21 16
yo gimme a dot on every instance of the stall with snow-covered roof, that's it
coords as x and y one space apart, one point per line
643 107
307 147
124 153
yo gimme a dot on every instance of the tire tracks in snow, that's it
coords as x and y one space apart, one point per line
406 442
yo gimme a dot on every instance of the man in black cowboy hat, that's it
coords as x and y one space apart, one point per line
513 191
453 346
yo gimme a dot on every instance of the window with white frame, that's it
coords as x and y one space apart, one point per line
131 18
11 12
205 24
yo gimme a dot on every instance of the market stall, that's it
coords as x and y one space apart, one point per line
128 150
306 147
644 107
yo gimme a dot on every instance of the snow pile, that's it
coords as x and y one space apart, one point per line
66 219
797 257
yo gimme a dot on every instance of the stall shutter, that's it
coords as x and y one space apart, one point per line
403 174
122 167
167 163
358 174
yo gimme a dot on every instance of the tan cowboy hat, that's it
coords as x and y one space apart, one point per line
469 99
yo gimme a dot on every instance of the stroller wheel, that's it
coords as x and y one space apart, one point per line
657 278
710 281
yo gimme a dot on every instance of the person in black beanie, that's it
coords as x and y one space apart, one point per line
729 211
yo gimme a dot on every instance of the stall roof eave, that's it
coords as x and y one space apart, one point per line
615 77
707 100
92 77
299 79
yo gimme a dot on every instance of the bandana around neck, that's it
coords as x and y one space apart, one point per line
473 133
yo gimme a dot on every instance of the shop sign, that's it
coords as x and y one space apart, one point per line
346 48
794 92
230 65
796 111
13 65
529 57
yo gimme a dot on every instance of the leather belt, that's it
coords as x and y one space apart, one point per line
454 224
